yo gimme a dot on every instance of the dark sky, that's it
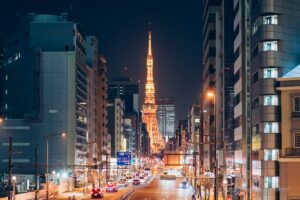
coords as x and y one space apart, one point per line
121 27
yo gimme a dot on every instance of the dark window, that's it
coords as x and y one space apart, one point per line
237 122
236 76
236 31
237 99
236 54
255 103
236 9
255 78
255 52
212 35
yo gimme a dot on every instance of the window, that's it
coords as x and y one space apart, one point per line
270 19
6 91
6 106
270 46
255 129
236 53
271 127
297 139
255 103
236 76
296 104
255 78
271 154
254 26
270 73
237 99
270 100
271 181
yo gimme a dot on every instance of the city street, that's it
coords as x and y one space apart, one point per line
162 190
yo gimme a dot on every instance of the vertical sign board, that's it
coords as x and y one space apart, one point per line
123 158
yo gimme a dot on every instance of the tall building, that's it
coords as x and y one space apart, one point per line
210 7
166 115
194 126
116 125
101 110
125 89
150 107
45 79
274 53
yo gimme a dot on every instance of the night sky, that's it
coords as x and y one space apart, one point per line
121 28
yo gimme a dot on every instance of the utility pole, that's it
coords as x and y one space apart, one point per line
9 168
35 172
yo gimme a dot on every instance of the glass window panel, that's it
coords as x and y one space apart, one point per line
270 46
296 104
270 73
270 100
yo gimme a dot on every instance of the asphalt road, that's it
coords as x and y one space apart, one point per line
162 190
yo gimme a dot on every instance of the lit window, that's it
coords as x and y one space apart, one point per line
6 106
6 77
271 127
270 73
271 154
270 19
297 139
6 91
270 100
296 104
271 181
270 46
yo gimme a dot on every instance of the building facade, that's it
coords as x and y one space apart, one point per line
45 78
166 115
274 53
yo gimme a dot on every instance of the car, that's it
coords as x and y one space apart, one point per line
122 183
129 179
96 193
111 187
136 182
142 179
184 184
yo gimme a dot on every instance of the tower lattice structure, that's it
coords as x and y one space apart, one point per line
149 108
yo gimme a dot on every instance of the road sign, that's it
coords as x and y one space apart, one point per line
123 158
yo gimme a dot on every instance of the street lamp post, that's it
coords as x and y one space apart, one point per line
212 94
47 160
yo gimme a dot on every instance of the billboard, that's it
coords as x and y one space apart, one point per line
123 158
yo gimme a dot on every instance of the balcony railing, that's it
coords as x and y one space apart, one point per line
292 151
295 114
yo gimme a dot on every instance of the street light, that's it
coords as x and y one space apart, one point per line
212 95
63 135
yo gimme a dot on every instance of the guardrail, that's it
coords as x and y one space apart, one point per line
128 194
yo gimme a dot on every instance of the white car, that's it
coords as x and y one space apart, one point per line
129 179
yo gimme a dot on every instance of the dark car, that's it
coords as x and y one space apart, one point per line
136 182
96 193
184 184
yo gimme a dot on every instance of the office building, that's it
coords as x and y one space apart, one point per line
166 116
45 78
115 110
274 54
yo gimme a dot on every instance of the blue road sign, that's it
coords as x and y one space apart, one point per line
123 158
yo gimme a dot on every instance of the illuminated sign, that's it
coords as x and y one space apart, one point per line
123 158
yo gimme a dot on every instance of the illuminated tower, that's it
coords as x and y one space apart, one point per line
149 108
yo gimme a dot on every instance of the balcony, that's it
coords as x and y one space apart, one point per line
292 151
